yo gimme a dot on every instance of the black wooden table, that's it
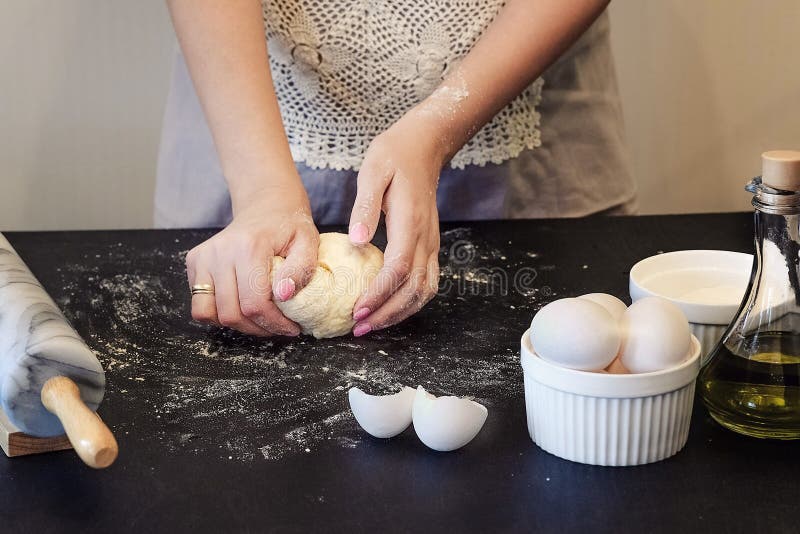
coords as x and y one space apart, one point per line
222 433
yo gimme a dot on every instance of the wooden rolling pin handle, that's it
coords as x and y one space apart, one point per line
91 438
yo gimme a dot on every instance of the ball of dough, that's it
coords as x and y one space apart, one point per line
324 308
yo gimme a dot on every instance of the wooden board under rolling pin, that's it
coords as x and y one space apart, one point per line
50 381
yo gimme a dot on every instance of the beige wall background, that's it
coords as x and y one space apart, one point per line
82 87
707 86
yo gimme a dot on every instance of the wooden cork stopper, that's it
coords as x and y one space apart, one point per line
780 169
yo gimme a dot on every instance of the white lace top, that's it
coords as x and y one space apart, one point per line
346 70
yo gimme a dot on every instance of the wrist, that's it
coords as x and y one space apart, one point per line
443 113
254 191
432 135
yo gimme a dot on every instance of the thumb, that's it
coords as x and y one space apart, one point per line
371 186
296 270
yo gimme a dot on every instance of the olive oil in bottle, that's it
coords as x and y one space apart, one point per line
757 394
751 383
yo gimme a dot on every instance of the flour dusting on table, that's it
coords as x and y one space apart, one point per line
250 399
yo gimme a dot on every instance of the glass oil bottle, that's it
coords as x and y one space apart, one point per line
752 382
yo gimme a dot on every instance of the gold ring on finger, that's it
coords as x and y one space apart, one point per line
202 289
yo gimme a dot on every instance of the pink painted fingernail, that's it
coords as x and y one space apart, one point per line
284 290
361 314
359 233
361 329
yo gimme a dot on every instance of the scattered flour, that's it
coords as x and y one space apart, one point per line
200 389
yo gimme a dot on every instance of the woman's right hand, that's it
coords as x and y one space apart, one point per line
237 262
224 47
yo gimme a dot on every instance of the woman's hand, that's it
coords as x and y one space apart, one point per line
225 50
237 260
399 176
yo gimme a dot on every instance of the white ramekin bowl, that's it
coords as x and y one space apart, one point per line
707 285
608 419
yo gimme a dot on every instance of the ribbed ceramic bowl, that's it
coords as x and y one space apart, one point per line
707 285
608 419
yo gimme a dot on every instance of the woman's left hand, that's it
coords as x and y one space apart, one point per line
399 176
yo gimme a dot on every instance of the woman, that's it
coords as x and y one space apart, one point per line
418 109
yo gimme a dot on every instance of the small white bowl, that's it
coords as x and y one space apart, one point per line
707 285
608 419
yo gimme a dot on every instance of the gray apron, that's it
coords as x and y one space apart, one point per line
580 168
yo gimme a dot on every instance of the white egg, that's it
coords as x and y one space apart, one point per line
446 423
612 304
656 335
382 416
575 333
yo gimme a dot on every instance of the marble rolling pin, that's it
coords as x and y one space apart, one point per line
50 381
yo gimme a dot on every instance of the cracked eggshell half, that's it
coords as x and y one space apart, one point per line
446 423
382 416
